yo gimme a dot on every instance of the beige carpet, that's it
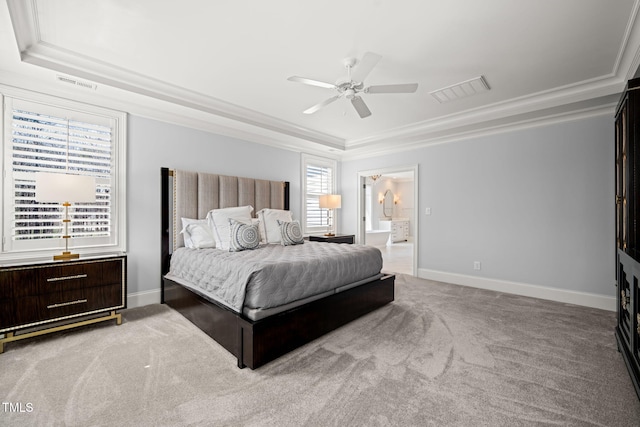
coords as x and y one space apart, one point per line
439 355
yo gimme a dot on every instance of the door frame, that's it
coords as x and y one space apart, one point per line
361 229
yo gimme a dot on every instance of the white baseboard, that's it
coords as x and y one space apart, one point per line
554 294
586 299
140 299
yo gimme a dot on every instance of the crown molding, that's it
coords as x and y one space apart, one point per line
34 50
55 58
577 100
628 59
181 106
568 97
461 133
19 85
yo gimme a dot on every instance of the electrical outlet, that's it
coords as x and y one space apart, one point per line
427 211
477 265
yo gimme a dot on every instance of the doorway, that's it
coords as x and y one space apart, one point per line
388 216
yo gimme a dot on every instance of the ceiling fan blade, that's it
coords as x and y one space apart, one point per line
320 105
364 67
401 88
311 82
361 107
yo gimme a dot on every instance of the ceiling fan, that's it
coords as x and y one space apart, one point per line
353 85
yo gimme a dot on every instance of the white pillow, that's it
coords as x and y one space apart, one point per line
256 222
201 236
269 228
219 223
197 233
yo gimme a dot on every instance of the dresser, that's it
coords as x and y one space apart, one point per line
398 228
65 293
627 202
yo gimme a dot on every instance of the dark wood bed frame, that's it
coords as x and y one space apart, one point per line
255 343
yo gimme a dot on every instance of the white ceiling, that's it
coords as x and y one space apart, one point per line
227 62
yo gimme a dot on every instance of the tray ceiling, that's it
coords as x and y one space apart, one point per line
230 60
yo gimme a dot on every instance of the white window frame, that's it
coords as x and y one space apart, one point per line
63 108
311 160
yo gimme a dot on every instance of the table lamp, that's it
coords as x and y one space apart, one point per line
331 202
65 188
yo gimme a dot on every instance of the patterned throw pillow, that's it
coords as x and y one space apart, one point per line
291 233
243 236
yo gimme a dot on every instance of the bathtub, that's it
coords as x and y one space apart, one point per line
377 237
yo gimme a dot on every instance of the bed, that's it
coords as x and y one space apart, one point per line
258 327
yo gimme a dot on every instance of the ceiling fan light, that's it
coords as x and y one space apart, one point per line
353 85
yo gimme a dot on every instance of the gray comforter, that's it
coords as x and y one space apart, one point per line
273 275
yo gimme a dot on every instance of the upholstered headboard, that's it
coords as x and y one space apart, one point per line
196 193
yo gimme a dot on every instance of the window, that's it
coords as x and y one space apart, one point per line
319 177
76 139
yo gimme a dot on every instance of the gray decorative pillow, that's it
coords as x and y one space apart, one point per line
291 233
243 236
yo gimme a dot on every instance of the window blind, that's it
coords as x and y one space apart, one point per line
319 181
44 142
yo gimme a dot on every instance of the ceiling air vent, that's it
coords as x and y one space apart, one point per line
461 90
76 82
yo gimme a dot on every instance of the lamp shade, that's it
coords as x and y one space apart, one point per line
60 187
330 201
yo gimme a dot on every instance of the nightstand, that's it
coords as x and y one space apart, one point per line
41 293
338 238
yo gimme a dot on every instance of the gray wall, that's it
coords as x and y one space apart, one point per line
535 206
152 145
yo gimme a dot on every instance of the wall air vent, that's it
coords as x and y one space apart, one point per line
461 90
76 82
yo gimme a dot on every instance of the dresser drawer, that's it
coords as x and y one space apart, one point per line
55 305
6 288
63 277
7 313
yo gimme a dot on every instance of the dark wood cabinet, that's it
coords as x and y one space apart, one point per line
627 202
35 295
338 238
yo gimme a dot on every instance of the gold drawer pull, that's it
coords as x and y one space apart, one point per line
62 304
57 279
